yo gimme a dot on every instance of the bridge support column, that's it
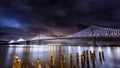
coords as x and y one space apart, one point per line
94 40
39 42
93 36
28 42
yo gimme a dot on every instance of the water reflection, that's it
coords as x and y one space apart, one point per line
109 53
79 49
69 49
118 51
99 49
30 53
92 49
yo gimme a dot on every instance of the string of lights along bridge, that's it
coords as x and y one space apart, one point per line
93 31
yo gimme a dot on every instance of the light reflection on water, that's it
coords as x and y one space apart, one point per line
31 53
109 53
100 49
92 49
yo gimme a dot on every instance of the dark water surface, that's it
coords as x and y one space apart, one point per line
30 53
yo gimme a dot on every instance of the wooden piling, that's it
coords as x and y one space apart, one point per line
71 60
77 59
46 66
15 60
38 63
52 62
82 60
100 58
32 65
102 55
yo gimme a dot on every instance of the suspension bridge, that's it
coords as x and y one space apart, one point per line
93 33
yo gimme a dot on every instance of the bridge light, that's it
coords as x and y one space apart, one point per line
20 39
12 41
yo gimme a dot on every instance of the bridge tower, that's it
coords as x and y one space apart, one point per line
39 41
93 35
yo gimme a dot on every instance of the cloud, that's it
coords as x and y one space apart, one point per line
49 16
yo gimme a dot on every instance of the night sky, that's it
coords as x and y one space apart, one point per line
27 18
